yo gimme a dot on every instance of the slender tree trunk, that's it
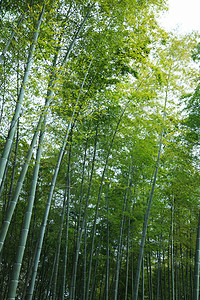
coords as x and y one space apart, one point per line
25 229
43 226
150 274
169 281
107 248
20 99
182 274
164 275
27 220
172 251
98 200
186 275
67 194
101 287
144 231
3 182
197 264
119 245
57 256
84 260
132 275
72 295
16 144
46 214
42 119
3 92
79 230
159 265
29 271
148 278
158 276
143 278
13 202
176 281
14 165
96 264
191 275
128 245
135 296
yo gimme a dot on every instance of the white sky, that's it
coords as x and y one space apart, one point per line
183 15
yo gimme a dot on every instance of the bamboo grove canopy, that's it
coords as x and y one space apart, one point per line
99 142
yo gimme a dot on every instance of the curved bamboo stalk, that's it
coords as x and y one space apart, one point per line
42 120
144 231
197 264
67 195
20 99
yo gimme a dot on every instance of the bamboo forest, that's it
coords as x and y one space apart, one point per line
99 142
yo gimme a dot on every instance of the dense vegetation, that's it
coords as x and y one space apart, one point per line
99 137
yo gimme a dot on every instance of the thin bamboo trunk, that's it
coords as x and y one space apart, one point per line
42 119
16 144
169 281
20 99
25 229
151 280
144 231
98 200
107 248
135 296
197 264
96 264
164 276
79 229
13 202
14 165
84 260
159 265
143 278
132 275
73 285
172 250
148 277
128 246
120 243
3 92
158 275
46 214
191 275
60 233
43 226
67 194
182 274
3 182
186 275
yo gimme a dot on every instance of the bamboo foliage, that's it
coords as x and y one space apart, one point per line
99 187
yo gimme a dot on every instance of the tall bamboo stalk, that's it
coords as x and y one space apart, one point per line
67 195
107 246
197 264
144 231
120 243
172 250
60 232
41 122
80 228
20 99
56 170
